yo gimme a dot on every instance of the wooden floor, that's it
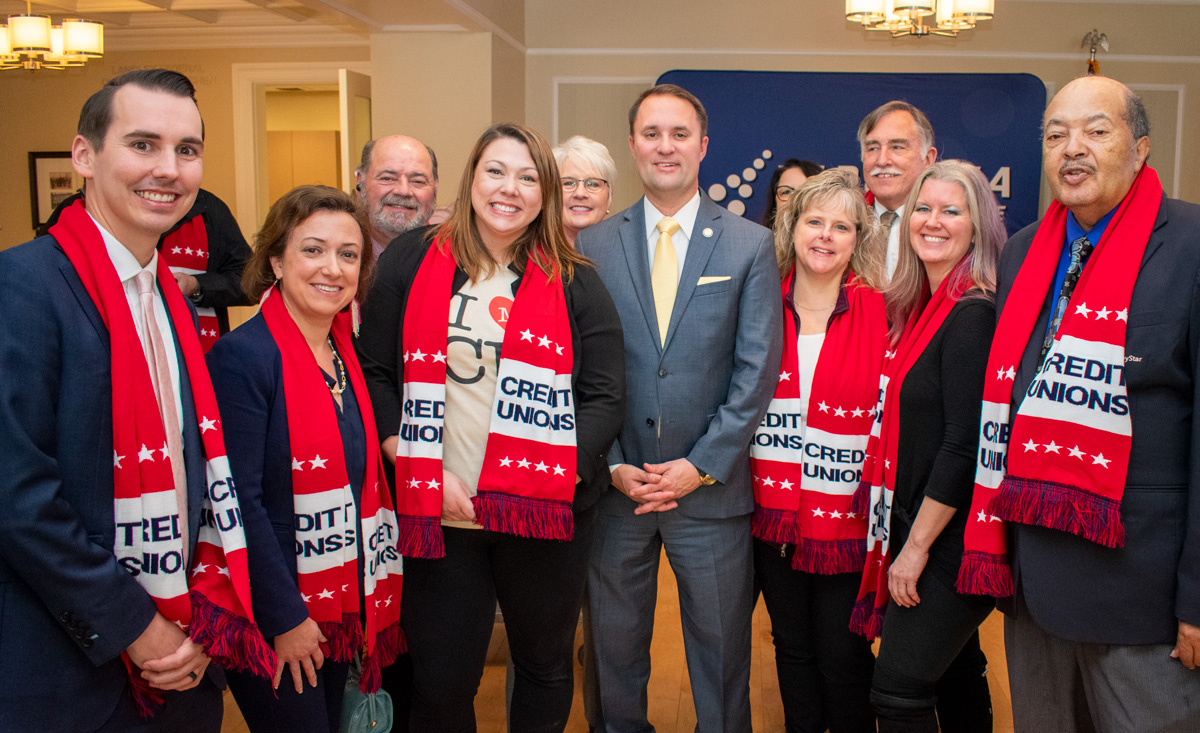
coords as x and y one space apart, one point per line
670 697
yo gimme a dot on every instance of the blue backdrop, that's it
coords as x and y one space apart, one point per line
758 119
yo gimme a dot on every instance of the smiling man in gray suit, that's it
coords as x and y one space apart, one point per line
697 289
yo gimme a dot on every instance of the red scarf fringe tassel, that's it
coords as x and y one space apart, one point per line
389 644
860 503
524 516
985 574
1059 506
230 640
420 537
780 526
828 557
867 620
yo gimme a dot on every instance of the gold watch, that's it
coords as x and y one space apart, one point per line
705 479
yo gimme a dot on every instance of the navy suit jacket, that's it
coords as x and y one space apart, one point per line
1136 594
702 394
247 375
67 608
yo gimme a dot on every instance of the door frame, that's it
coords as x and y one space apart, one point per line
250 82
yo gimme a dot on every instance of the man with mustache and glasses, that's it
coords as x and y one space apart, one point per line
896 144
1093 418
397 186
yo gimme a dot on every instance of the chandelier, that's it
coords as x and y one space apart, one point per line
30 42
912 17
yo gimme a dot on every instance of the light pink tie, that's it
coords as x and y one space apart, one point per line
164 392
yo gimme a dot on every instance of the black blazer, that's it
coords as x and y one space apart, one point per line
67 608
1136 594
597 376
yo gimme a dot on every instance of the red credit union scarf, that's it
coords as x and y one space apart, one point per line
879 470
528 477
186 250
804 480
1072 432
328 572
211 598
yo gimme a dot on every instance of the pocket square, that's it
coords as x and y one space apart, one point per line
712 279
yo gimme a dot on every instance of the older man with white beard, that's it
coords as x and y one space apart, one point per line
397 186
896 144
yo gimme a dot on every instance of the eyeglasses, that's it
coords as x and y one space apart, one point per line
592 185
783 193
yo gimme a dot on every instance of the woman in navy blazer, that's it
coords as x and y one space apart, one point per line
310 248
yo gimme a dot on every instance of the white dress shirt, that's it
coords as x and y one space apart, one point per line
127 270
685 218
893 250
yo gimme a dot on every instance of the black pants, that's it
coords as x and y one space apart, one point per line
316 710
824 668
930 669
449 609
198 710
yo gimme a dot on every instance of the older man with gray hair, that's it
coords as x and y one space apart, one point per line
896 143
397 186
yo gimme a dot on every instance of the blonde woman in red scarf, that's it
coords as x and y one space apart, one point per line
301 442
807 455
919 473
495 360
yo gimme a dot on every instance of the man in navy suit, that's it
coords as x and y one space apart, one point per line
68 609
1108 638
697 289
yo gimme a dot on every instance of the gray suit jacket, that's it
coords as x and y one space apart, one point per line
702 394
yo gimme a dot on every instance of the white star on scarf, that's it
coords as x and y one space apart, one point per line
1123 315
541 467
223 571
785 484
784 376
1076 453
419 355
523 463
835 514
983 516
1083 310
839 411
559 470
117 460
439 357
433 484
325 594
858 412
1103 313
822 406
176 250
506 461
207 424
1052 447
768 481
544 342
1099 459
164 450
1031 446
818 513
558 349
189 251
200 568
297 465
414 483
527 335
318 462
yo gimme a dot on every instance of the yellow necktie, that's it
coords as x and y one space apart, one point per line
664 275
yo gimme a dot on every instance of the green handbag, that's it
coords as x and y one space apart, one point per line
364 712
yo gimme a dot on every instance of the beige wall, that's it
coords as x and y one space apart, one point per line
597 65
39 111
302 111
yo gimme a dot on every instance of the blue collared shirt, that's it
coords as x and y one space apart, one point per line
1074 231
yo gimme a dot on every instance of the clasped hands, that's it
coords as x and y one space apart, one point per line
168 658
656 487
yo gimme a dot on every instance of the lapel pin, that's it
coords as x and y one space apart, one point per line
707 231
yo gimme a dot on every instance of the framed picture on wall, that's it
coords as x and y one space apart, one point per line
51 181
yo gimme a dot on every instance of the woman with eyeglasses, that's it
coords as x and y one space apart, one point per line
587 172
495 359
788 177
